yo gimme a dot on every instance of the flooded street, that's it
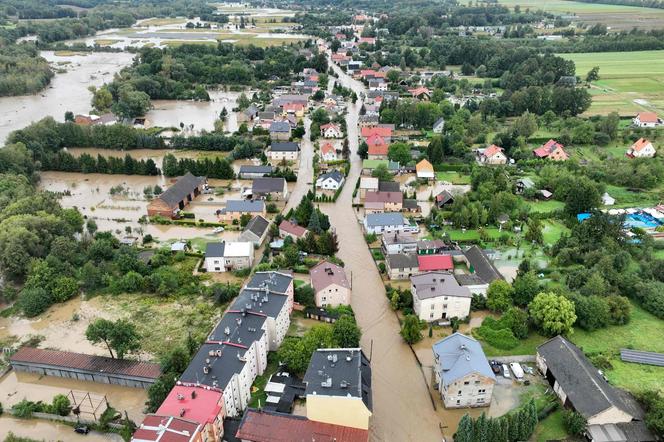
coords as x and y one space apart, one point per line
305 172
49 431
401 404
67 92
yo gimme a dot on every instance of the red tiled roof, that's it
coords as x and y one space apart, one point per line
327 148
196 404
429 263
492 150
293 229
379 130
265 426
647 117
78 361
419 91
329 126
326 273
547 148
640 144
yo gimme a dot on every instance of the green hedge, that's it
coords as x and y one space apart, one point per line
502 339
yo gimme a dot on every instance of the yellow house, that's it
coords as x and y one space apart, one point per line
339 387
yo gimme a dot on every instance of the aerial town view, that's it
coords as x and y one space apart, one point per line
332 220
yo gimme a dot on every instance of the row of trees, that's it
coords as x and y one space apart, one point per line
217 168
515 426
86 163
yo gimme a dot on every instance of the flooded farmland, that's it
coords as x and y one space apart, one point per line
68 91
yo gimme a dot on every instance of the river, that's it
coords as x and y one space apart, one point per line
402 409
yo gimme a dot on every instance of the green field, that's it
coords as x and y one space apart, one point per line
545 206
552 231
551 428
453 177
644 332
624 77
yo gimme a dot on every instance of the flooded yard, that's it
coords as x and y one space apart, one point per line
50 431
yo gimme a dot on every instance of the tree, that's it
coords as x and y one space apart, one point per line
465 430
346 332
552 313
534 232
314 223
363 150
525 287
619 309
400 153
243 102
382 173
102 99
120 336
593 74
131 103
34 301
575 423
61 405
525 126
499 296
69 117
410 329
585 197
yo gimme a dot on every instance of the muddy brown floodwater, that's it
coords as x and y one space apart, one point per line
67 92
49 431
402 409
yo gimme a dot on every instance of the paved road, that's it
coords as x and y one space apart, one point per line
401 404
305 172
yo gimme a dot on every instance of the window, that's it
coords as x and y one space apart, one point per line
432 306
458 401
444 305
430 315
466 383
477 382
459 392
480 400
445 298
482 391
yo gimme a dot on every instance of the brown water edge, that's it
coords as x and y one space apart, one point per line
49 431
16 386
67 92
90 194
59 327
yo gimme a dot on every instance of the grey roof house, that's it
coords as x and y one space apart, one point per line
249 171
255 231
274 186
481 265
462 373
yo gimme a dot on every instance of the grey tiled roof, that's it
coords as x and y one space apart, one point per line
402 261
435 284
287 146
385 219
257 225
215 249
460 355
246 206
179 191
481 264
268 185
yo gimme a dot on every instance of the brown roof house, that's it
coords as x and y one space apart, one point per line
176 197
331 288
378 202
287 228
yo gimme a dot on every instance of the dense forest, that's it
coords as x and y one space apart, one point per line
22 70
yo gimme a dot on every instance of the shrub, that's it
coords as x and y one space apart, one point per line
34 301
574 422
502 338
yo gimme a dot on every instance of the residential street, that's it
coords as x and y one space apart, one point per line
305 172
401 404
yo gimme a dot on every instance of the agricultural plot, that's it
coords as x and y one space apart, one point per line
629 81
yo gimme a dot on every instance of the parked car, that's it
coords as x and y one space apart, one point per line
82 429
495 367
218 230
506 371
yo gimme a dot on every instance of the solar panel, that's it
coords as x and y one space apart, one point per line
642 357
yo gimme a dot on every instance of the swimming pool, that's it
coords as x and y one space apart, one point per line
642 220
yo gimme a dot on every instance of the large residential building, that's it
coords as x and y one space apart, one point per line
280 130
177 196
201 405
641 148
581 387
338 389
378 202
227 256
155 428
389 222
287 151
331 288
236 208
462 373
438 296
280 282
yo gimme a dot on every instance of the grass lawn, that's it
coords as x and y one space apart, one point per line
551 428
526 346
644 332
624 78
453 177
473 234
627 198
552 231
545 206
258 388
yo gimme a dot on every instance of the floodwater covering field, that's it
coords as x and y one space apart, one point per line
629 81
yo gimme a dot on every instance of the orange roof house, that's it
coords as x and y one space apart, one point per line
378 147
421 93
642 148
385 132
424 169
551 150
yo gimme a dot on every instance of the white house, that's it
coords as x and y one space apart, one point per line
328 152
387 222
491 155
438 296
331 130
641 148
608 200
332 180
288 151
439 126
331 287
424 170
647 119
462 373
225 256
